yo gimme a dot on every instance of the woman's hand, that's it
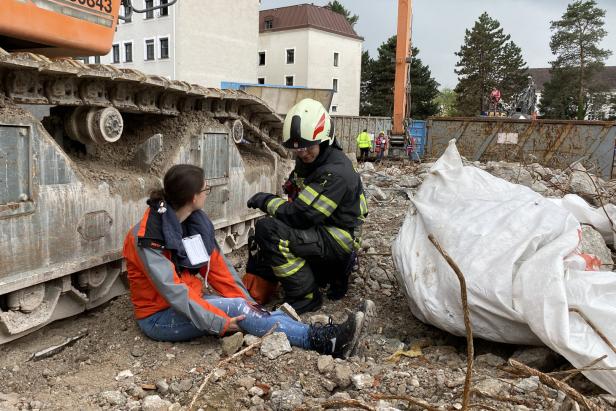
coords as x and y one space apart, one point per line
233 326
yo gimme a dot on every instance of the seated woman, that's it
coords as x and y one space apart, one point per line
172 245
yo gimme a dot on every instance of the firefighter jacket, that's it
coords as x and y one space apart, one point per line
363 140
160 275
330 195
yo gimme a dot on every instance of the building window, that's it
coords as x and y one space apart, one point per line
148 5
334 109
289 80
149 49
261 80
116 53
164 48
335 85
336 59
290 56
128 52
129 18
269 24
165 10
262 58
97 59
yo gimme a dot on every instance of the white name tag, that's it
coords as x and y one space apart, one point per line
195 249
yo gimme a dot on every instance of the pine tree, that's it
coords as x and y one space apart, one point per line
380 90
364 87
424 89
380 84
575 43
488 59
337 7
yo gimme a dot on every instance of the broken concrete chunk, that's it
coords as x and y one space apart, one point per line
329 385
581 184
246 382
256 391
113 398
162 386
378 193
362 381
325 363
489 360
287 400
275 345
250 339
593 243
342 375
527 385
491 386
155 403
366 167
232 343
541 358
124 375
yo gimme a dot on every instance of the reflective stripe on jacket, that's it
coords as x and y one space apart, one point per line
332 195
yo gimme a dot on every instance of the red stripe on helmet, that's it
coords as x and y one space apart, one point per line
320 127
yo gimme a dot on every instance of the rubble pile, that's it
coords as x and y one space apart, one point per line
115 367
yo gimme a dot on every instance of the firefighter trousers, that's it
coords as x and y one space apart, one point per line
301 260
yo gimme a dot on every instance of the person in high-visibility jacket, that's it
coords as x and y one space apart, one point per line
311 241
172 252
364 144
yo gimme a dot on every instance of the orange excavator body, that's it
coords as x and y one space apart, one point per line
58 27
405 10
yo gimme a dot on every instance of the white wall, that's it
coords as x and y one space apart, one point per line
321 72
314 63
209 41
137 31
275 45
216 40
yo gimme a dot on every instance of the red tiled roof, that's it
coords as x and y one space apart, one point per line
606 78
304 16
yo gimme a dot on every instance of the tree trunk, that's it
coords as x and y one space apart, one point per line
581 110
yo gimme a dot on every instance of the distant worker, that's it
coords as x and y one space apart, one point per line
311 240
380 145
172 250
411 149
495 97
364 144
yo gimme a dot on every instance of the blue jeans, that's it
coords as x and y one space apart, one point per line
170 325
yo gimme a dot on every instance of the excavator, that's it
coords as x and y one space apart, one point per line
81 145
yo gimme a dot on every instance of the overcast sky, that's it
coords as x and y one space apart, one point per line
439 25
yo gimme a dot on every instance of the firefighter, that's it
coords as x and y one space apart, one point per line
311 240
172 252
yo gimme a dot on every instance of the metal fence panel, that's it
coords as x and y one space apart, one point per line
348 127
551 143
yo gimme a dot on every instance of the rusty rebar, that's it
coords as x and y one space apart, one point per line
594 327
557 385
470 351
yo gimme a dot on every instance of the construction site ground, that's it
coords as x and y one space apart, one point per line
116 367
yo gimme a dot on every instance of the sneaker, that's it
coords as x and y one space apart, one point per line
337 340
312 302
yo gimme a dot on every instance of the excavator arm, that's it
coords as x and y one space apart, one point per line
401 99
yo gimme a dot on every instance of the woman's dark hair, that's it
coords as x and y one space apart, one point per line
180 184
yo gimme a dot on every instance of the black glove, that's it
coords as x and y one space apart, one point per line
259 200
